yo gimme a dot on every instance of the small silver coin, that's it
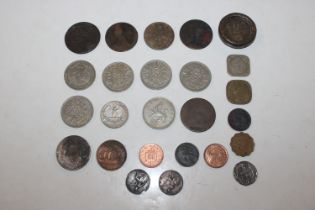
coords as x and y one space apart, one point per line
159 113
245 173
195 76
137 181
171 182
156 74
77 111
238 65
79 75
118 76
114 114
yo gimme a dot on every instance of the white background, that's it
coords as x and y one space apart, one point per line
33 58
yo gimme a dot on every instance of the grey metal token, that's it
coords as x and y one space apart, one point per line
238 65
171 182
114 114
245 173
79 75
137 181
195 76
156 74
187 154
77 111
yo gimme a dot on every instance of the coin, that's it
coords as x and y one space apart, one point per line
158 113
171 182
121 37
237 30
82 37
117 76
196 34
76 111
245 173
197 114
137 181
111 155
187 154
239 119
73 152
151 155
195 76
215 155
242 144
239 92
159 35
238 65
114 114
156 74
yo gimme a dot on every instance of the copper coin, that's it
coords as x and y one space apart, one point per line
159 36
121 37
239 119
111 155
242 144
239 92
216 155
151 155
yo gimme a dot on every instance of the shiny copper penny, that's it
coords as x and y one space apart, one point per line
239 92
216 155
159 36
151 155
242 144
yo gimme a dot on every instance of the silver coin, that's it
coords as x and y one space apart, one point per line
77 111
114 114
158 113
156 74
137 181
245 173
171 182
118 76
238 65
195 76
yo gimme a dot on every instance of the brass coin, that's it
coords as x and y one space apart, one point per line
151 155
216 155
159 36
242 144
239 92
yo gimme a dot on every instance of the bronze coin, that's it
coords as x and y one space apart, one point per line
111 155
159 36
216 155
239 92
237 30
151 155
242 144
197 114
239 119
121 37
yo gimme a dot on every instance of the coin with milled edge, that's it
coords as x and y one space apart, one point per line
238 65
216 155
187 154
242 144
158 35
171 182
137 181
239 92
239 119
151 155
114 114
245 173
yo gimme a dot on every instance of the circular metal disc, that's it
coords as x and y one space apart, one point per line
171 182
187 154
242 144
239 119
159 36
137 181
245 173
114 114
216 155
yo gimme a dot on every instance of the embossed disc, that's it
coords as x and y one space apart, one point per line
137 181
239 119
187 154
242 144
159 36
151 155
239 92
171 182
245 173
216 155
114 114
238 65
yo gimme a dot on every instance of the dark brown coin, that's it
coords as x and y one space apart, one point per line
242 144
171 182
239 119
237 30
121 37
196 34
82 37
159 36
239 92
197 114
187 154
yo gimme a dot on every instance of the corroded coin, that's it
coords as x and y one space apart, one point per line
171 182
114 114
151 155
137 181
121 37
245 173
239 92
239 119
238 65
158 36
187 154
242 144
73 152
77 111
216 155
82 37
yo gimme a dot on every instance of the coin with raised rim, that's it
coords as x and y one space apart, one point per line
216 155
151 155
239 119
137 181
171 182
187 154
159 35
242 144
238 65
114 114
239 92
245 173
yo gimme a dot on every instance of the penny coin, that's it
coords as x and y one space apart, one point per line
237 30
73 152
117 76
195 76
239 119
114 114
82 37
238 65
159 35
158 113
242 144
187 154
156 74
196 34
216 155
121 37
137 181
171 182
77 111
245 173
239 92
151 155
79 75
197 114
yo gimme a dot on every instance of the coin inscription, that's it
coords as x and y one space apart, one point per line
171 182
159 35
216 155
187 154
151 155
137 181
245 173
114 114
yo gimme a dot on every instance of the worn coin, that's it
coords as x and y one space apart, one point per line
187 154
82 37
216 155
171 182
114 114
242 144
137 181
238 65
245 173
239 92
151 155
239 119
77 111
159 35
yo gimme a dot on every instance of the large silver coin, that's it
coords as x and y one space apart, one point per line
156 74
114 114
77 111
195 76
158 113
245 173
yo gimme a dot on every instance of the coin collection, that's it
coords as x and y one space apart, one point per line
197 114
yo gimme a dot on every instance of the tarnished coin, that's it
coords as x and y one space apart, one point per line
117 76
239 119
245 173
77 111
239 92
216 155
137 181
82 37
121 37
238 65
158 113
114 114
187 154
195 76
73 152
196 34
171 182
151 155
158 36
242 144
237 30
156 74
197 114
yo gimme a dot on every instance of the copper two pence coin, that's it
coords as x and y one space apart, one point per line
216 155
239 119
111 155
242 144
151 155
159 35
239 92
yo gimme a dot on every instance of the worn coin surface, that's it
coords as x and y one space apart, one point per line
216 155
82 37
242 144
239 92
238 65
187 154
77 111
239 119
111 155
121 37
151 155
195 76
159 35
245 173
137 181
171 182
114 114
73 152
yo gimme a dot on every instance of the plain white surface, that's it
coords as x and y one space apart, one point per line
33 58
